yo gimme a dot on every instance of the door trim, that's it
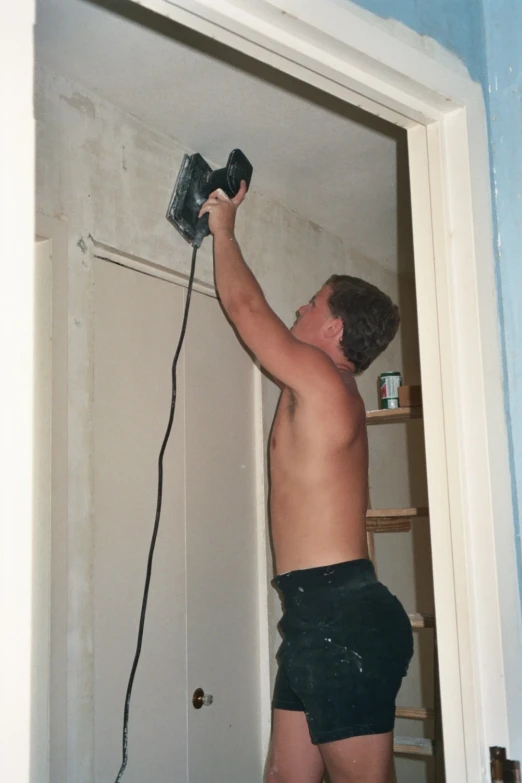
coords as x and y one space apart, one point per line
56 233
108 253
40 729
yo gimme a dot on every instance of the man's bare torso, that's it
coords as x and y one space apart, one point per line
319 470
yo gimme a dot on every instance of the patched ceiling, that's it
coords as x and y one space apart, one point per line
321 158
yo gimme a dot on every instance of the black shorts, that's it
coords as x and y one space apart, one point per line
347 644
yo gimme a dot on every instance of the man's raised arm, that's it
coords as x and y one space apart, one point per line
296 364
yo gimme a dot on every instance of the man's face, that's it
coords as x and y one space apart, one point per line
312 317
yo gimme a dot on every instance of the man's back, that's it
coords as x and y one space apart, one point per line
318 469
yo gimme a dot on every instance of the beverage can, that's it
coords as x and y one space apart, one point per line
389 383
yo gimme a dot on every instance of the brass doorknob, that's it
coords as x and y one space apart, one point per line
201 699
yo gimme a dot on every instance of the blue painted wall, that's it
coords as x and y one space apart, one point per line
487 36
503 90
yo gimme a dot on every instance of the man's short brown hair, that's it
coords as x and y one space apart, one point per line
370 319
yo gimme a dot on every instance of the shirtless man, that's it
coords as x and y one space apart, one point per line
347 641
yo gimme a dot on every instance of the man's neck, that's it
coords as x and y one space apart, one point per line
343 365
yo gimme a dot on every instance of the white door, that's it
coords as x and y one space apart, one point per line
202 619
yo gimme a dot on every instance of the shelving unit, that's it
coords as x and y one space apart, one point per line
401 520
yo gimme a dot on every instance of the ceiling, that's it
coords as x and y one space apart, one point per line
327 161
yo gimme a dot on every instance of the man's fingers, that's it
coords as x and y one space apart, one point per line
240 195
218 197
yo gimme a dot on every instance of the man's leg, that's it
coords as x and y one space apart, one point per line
293 758
366 759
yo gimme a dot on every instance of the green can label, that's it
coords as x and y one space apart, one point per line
389 383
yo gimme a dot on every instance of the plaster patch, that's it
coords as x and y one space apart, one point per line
81 103
82 245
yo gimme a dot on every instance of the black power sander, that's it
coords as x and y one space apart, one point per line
195 182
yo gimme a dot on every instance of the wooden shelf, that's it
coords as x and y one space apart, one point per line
419 620
392 520
415 713
413 746
393 416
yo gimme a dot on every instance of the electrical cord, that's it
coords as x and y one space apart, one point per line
196 244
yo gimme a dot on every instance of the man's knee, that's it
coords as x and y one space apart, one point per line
274 775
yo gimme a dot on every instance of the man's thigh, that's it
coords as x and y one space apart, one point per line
293 758
364 759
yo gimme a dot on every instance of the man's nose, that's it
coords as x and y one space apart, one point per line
302 310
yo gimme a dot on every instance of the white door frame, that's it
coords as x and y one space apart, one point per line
336 47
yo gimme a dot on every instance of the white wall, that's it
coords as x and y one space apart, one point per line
109 178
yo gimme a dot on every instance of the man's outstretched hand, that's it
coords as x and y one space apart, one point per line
222 210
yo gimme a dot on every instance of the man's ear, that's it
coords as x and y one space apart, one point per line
334 329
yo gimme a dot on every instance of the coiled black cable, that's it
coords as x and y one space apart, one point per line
158 513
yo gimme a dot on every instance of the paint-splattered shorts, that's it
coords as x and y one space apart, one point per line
347 644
